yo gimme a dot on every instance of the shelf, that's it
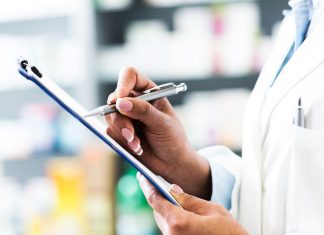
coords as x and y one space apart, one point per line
57 25
142 6
194 85
111 25
22 170
20 97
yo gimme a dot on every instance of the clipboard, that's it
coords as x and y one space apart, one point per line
92 124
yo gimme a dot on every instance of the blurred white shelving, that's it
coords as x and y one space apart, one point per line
54 25
57 36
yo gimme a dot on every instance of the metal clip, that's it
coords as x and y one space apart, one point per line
161 87
24 65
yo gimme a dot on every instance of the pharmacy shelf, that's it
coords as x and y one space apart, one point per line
56 25
111 24
22 170
141 5
194 85
18 98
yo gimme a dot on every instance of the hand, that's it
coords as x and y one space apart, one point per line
197 216
154 132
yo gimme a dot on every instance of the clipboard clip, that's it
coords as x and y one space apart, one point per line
23 63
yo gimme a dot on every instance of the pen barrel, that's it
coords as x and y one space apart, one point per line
107 109
300 117
147 97
158 94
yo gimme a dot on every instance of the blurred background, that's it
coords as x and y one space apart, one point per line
55 176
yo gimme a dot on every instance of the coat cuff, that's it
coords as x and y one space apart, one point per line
225 171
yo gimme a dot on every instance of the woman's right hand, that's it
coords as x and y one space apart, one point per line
154 132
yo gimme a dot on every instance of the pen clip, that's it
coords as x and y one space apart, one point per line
160 87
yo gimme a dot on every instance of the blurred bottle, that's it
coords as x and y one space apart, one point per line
99 168
37 205
134 216
69 212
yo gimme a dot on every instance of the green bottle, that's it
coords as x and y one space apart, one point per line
134 215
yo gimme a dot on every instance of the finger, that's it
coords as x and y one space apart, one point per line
135 146
131 79
118 138
120 122
123 129
161 223
156 201
191 203
140 110
111 98
122 126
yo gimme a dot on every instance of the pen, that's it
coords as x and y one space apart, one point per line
299 119
154 93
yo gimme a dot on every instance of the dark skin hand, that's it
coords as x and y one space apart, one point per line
153 132
156 135
196 216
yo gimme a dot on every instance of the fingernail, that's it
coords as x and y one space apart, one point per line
138 176
111 98
134 146
175 188
124 105
140 152
127 134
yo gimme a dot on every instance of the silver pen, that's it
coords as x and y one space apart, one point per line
299 119
154 93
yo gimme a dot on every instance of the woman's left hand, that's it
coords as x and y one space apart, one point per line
197 216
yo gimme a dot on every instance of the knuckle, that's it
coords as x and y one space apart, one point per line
109 131
146 109
112 133
152 196
115 119
118 121
177 224
108 119
111 95
127 71
187 200
220 208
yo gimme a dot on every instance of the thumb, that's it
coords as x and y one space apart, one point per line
140 110
189 202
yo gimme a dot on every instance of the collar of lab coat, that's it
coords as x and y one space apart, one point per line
317 3
306 59
313 3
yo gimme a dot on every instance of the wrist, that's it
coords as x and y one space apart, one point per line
192 173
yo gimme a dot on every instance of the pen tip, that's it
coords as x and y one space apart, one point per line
299 101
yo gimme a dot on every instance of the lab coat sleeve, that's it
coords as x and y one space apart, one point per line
225 172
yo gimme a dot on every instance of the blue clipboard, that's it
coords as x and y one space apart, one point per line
93 124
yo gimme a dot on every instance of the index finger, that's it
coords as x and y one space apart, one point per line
130 79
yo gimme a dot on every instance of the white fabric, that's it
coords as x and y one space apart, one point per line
222 159
316 14
280 180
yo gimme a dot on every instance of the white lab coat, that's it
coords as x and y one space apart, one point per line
279 185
